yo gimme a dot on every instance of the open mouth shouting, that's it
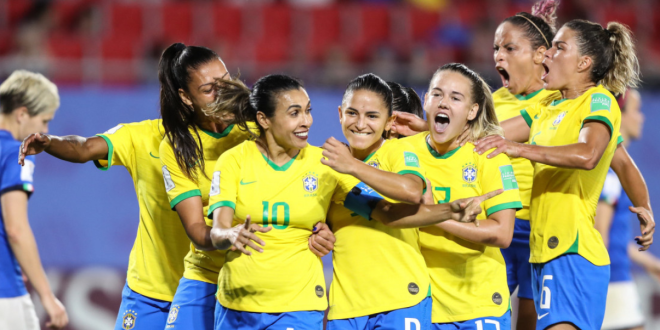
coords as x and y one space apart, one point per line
441 122
546 69
504 75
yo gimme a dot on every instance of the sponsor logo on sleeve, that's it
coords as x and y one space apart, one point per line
169 184
27 171
508 177
600 101
410 159
215 184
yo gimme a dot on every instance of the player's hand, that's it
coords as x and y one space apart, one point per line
646 225
33 144
322 240
427 198
408 124
467 209
242 235
58 318
500 144
338 156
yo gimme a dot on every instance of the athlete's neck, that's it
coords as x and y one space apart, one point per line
8 123
443 148
278 154
364 153
575 91
535 85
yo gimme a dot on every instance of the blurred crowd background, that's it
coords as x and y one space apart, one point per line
103 55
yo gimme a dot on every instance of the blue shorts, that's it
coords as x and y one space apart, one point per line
483 323
516 256
193 306
140 312
417 317
229 319
570 289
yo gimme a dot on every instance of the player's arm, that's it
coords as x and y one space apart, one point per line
224 236
603 220
71 148
405 188
516 129
635 186
496 230
592 142
192 218
322 240
650 263
24 246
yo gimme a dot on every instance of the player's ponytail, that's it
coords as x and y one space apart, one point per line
405 99
174 75
612 52
485 123
233 96
539 26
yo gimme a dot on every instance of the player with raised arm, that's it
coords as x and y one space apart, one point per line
571 141
28 102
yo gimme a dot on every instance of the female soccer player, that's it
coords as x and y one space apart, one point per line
279 177
572 141
468 275
371 301
27 104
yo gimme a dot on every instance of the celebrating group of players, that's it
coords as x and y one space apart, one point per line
432 224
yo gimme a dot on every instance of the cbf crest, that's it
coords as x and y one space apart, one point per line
174 312
374 163
128 320
310 182
559 118
469 173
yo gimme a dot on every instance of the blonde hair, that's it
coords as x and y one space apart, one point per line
30 90
485 123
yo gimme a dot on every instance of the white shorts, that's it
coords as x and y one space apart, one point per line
622 309
18 314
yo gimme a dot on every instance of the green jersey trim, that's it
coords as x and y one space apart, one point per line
417 174
277 167
510 205
370 155
619 140
110 149
574 247
528 96
428 293
602 119
187 194
220 135
437 154
526 116
220 204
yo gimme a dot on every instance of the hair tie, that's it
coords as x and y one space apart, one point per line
543 35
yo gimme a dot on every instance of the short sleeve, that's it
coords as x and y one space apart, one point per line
402 159
497 173
225 181
611 189
531 113
177 184
120 146
600 109
14 176
345 183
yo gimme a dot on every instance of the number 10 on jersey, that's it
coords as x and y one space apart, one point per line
270 214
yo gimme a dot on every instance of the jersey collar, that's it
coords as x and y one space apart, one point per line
437 154
528 96
220 135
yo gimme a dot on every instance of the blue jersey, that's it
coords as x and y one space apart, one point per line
12 177
620 230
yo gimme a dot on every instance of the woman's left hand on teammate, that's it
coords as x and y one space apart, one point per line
322 240
467 209
500 144
647 226
408 124
338 156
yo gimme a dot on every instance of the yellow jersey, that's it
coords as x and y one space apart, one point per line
291 198
154 265
468 280
508 106
564 200
199 265
367 249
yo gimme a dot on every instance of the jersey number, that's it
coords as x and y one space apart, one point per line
271 217
480 324
447 191
546 295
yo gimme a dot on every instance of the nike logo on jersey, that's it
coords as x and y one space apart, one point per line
152 155
244 183
544 315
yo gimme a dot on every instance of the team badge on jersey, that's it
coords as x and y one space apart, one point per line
469 173
27 171
374 163
174 312
128 321
410 159
600 101
559 118
169 184
310 182
215 184
508 178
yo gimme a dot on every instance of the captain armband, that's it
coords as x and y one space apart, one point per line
362 200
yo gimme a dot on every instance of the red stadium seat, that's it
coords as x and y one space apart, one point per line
422 23
125 19
6 41
276 21
227 23
67 11
177 22
65 46
119 47
323 31
623 14
272 50
16 10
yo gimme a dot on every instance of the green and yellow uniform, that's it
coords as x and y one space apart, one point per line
508 106
468 280
199 265
292 198
154 265
564 200
392 271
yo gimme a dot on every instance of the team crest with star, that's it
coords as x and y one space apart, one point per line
310 182
128 321
374 163
469 173
174 312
